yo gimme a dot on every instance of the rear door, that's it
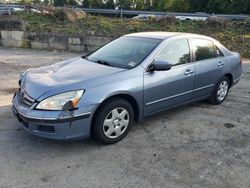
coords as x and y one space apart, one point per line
209 65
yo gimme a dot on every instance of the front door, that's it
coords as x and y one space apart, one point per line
164 89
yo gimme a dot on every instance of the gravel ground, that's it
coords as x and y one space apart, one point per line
198 145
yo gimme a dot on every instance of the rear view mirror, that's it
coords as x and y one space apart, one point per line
160 66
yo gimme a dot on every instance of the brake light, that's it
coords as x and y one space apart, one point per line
241 60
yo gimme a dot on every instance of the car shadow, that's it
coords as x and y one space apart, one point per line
11 130
176 110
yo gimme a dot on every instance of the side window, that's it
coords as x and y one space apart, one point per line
204 49
175 53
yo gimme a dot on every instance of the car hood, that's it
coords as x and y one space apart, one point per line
70 74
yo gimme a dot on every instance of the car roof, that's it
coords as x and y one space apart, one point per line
163 35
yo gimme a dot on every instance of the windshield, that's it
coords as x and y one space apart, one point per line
124 52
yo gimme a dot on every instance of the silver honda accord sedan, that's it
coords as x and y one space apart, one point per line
126 80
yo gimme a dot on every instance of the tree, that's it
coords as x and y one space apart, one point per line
86 4
97 4
46 2
180 6
228 6
197 5
93 4
71 2
248 9
25 2
64 2
163 5
109 4
59 2
141 4
209 6
126 4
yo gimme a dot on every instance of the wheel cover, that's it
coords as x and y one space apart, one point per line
222 90
116 123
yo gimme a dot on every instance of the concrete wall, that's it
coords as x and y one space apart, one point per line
7 23
51 41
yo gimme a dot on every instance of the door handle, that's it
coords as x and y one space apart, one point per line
220 64
188 72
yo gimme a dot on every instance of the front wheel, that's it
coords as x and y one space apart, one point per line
113 121
220 92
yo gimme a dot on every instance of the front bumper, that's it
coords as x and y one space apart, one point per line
56 125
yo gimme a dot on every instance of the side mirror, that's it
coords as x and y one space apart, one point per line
160 66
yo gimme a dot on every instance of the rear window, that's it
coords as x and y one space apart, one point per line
204 49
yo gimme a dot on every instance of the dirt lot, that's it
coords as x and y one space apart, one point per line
198 145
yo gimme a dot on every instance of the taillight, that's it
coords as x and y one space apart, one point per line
241 60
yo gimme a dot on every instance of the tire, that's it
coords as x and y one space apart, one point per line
218 98
113 121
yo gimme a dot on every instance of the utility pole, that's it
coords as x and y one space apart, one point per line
121 13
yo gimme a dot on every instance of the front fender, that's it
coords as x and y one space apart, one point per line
132 87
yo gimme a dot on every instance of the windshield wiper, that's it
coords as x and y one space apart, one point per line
104 63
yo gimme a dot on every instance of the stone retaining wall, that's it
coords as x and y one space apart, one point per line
51 41
11 24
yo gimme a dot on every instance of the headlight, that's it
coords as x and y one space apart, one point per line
58 102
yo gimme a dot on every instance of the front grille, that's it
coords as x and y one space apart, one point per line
26 99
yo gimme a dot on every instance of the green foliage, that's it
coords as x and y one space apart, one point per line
228 6
27 1
198 5
106 26
125 4
64 2
96 4
210 6
110 4
180 6
141 5
86 3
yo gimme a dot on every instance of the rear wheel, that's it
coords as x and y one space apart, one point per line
220 92
113 121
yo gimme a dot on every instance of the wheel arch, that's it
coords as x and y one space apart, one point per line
230 77
129 98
